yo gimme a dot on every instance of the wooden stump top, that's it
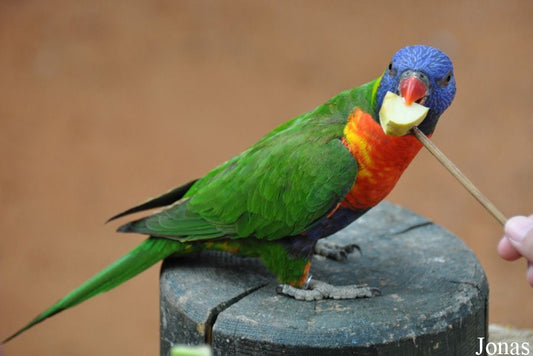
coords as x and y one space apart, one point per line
434 298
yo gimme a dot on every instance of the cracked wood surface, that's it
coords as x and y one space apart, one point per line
434 297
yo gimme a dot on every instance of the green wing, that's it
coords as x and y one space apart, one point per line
278 187
270 193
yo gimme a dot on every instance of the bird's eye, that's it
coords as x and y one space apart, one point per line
444 81
391 69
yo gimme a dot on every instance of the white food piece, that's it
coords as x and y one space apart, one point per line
397 118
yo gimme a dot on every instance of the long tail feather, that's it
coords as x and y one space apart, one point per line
137 260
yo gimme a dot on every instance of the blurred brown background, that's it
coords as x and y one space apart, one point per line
105 104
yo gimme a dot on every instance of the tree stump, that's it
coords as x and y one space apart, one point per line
434 302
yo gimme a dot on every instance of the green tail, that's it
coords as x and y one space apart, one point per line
134 262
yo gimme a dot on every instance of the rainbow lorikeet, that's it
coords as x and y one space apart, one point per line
305 180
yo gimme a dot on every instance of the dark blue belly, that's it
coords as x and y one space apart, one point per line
302 245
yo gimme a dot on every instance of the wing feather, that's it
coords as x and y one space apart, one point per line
278 187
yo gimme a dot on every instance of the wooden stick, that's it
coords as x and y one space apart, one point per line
452 168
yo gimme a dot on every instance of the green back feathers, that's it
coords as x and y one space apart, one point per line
278 187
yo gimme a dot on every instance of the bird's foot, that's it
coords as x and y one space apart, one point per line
334 251
317 290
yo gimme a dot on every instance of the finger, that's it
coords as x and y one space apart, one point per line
507 251
519 231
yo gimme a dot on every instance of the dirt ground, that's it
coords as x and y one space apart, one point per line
104 104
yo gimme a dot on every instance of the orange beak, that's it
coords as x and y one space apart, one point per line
412 89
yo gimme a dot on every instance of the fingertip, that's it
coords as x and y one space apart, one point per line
517 227
507 251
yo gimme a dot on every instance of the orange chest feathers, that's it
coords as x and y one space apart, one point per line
381 159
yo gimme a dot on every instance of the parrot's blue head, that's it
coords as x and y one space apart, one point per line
420 74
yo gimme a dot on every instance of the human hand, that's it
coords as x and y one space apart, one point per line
518 242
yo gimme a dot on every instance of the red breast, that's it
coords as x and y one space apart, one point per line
381 159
